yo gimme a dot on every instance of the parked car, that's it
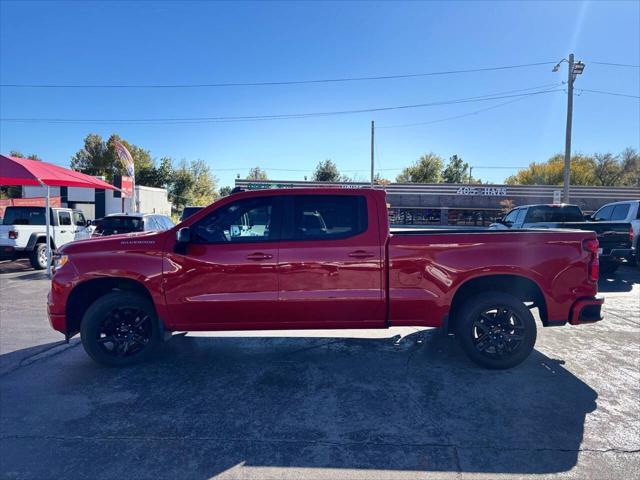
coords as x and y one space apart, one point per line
119 223
538 216
23 232
623 212
188 211
261 260
615 238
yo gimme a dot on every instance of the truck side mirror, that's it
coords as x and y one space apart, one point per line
183 237
87 223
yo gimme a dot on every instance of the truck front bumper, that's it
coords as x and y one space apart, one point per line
586 310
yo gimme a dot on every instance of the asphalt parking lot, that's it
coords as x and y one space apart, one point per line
385 404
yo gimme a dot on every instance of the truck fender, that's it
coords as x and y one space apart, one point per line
38 237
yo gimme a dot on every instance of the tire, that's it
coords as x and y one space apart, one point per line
608 267
38 257
491 339
120 329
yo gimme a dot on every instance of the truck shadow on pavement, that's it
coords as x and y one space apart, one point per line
305 406
622 280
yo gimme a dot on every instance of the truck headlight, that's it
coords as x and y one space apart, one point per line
58 262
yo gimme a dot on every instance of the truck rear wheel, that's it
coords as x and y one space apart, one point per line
119 329
496 330
38 256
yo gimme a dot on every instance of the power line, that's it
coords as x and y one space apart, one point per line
468 114
613 64
223 119
284 82
616 94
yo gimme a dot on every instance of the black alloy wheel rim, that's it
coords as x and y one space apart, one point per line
125 331
498 332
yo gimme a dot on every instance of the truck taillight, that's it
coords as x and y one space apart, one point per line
631 234
591 246
13 234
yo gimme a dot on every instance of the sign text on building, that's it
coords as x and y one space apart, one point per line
483 191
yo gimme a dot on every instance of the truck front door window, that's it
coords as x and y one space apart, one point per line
604 214
242 221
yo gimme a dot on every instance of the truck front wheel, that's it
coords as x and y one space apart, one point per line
496 330
119 329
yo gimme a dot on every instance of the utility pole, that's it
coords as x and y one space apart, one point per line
372 149
567 143
575 69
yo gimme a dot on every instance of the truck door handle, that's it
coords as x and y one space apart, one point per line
63 231
259 256
360 254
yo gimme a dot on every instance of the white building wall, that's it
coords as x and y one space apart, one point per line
153 200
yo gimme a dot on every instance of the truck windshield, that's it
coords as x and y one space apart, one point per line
547 213
24 216
113 225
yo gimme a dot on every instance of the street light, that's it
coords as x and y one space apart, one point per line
574 70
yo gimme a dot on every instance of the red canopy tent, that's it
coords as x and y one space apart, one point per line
21 171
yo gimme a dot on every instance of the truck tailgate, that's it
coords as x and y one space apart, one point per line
611 235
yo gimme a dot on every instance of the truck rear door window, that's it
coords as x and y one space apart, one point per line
326 217
620 212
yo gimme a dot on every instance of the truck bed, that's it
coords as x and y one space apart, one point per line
426 267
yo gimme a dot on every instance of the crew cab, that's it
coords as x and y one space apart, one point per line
616 238
626 212
23 232
321 258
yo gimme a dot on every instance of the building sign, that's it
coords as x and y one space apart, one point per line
125 184
127 187
265 186
54 202
483 191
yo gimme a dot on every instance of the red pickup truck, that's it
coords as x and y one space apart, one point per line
318 259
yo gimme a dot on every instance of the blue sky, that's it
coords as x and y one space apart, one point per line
201 42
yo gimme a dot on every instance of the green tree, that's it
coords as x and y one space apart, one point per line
99 158
607 169
224 191
456 171
326 171
18 154
428 169
180 187
256 173
203 191
551 172
630 161
192 184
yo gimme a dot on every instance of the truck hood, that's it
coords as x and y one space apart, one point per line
125 242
